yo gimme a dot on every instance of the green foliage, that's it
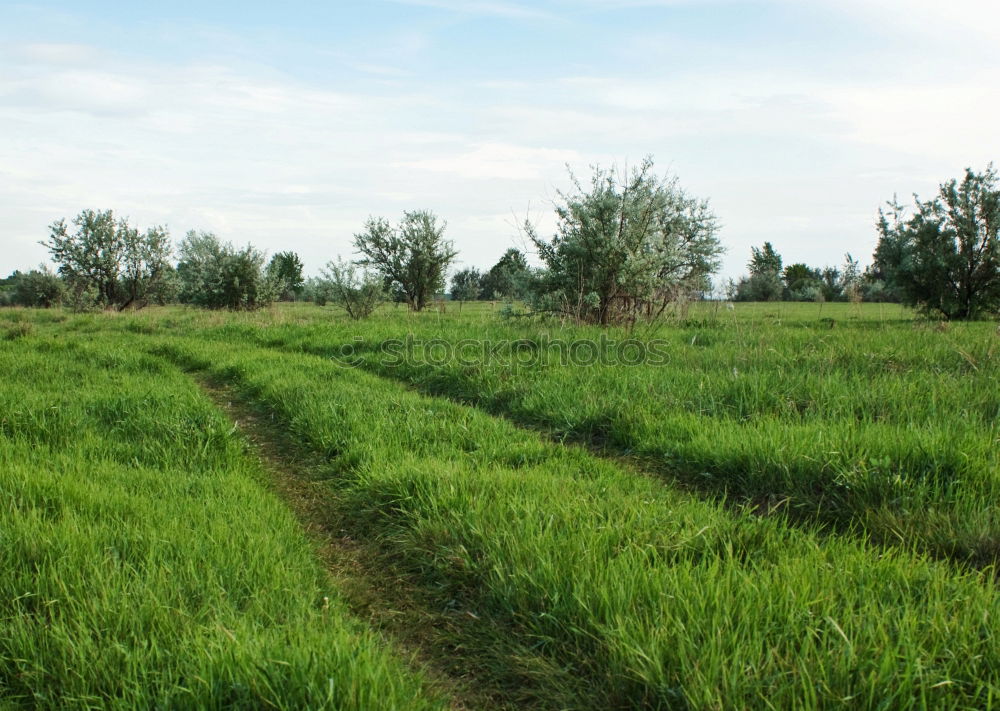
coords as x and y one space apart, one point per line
413 257
765 280
356 290
509 278
797 282
146 564
638 594
218 275
317 291
37 288
285 271
945 259
779 514
466 285
623 245
107 262
764 260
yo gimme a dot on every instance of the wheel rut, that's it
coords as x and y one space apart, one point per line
466 658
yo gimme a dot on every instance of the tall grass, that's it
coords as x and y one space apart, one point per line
145 566
889 427
648 596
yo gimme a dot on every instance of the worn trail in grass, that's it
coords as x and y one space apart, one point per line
852 430
474 661
639 595
144 565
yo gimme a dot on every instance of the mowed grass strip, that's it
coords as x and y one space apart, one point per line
143 565
653 599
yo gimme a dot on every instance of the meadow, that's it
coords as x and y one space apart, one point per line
774 506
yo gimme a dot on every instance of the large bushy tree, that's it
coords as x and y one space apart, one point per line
218 275
625 243
285 271
39 288
945 258
412 256
108 262
508 278
466 284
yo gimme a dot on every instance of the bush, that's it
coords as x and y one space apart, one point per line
625 245
220 276
358 291
37 288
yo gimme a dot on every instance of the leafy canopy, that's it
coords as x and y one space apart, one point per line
623 243
945 259
413 256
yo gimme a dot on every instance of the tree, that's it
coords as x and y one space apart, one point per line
413 257
146 269
764 260
764 282
39 288
945 259
285 270
217 275
358 291
109 262
802 282
831 285
466 285
508 278
317 291
852 279
623 245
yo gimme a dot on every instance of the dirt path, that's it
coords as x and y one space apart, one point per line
464 657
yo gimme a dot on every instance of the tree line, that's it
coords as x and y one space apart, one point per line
942 258
626 245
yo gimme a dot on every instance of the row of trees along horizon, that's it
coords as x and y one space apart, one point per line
626 245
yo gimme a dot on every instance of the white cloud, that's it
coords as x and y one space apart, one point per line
789 153
496 160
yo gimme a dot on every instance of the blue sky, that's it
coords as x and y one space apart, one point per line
287 124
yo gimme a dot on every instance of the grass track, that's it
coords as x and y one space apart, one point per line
650 598
144 566
474 664
890 430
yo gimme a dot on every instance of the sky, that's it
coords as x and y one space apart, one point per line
287 124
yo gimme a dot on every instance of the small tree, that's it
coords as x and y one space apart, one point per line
801 282
831 284
146 269
945 259
466 285
852 280
624 244
765 282
285 270
358 291
508 278
109 262
317 291
413 257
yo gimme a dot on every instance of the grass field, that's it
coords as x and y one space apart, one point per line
778 506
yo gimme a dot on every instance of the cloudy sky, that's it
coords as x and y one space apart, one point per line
287 124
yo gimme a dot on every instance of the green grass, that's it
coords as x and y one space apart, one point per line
649 597
801 488
144 565
887 426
